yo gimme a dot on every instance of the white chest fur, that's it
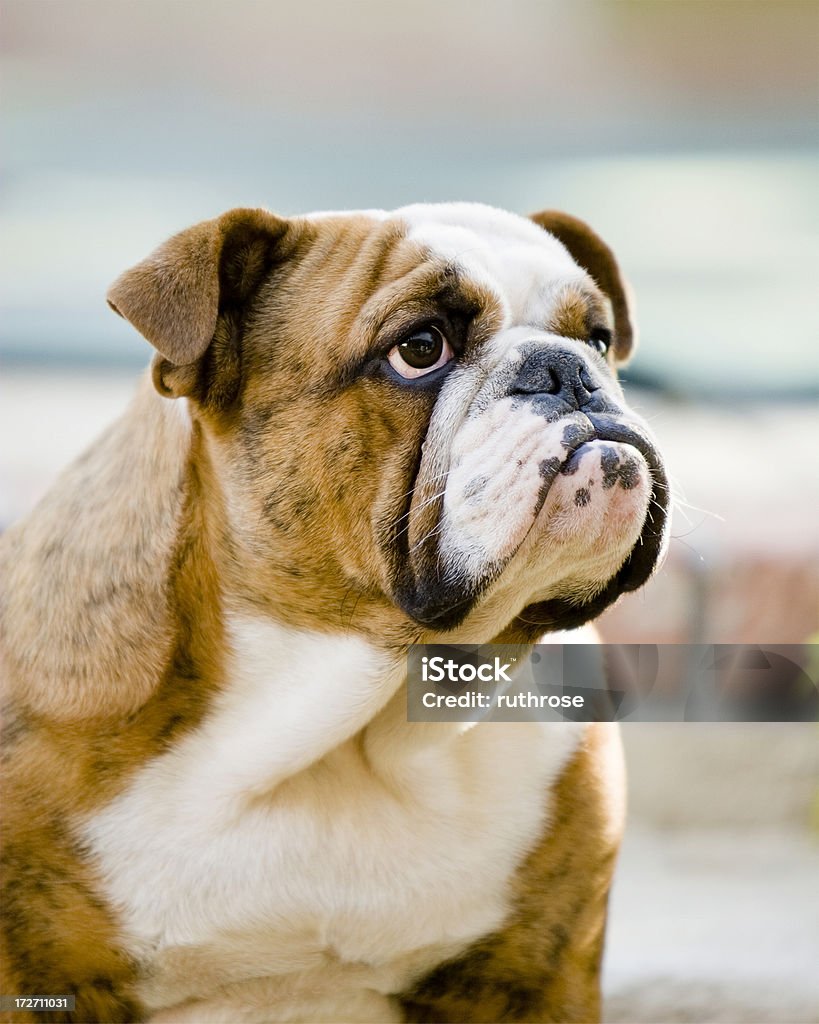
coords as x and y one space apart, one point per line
308 837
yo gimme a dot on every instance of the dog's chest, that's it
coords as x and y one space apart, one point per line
282 841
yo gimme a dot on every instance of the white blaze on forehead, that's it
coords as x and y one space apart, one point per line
511 256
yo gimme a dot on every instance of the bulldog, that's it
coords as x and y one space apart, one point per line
359 432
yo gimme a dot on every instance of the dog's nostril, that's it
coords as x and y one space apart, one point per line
552 384
586 381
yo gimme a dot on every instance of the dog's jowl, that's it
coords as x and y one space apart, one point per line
358 432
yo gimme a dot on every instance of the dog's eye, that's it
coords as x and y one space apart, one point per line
421 352
600 340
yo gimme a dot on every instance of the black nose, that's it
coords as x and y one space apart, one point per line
558 373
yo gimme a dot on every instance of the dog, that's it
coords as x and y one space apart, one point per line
359 432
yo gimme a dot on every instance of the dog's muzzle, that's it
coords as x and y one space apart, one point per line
564 400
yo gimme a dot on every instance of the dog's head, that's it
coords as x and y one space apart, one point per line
413 418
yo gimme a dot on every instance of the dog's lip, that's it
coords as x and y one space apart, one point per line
614 428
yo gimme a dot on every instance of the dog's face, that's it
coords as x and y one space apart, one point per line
413 419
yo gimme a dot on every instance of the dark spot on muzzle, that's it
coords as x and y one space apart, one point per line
548 468
618 469
475 488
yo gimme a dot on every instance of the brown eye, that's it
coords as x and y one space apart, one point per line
421 352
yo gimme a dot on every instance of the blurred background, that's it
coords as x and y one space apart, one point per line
687 134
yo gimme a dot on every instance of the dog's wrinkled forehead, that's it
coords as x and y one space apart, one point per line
524 273
511 257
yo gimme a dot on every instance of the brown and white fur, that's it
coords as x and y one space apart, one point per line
214 807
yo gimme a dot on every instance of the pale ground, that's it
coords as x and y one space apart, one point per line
714 926
715 911
715 908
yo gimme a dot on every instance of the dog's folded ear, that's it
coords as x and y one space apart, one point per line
590 252
175 296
